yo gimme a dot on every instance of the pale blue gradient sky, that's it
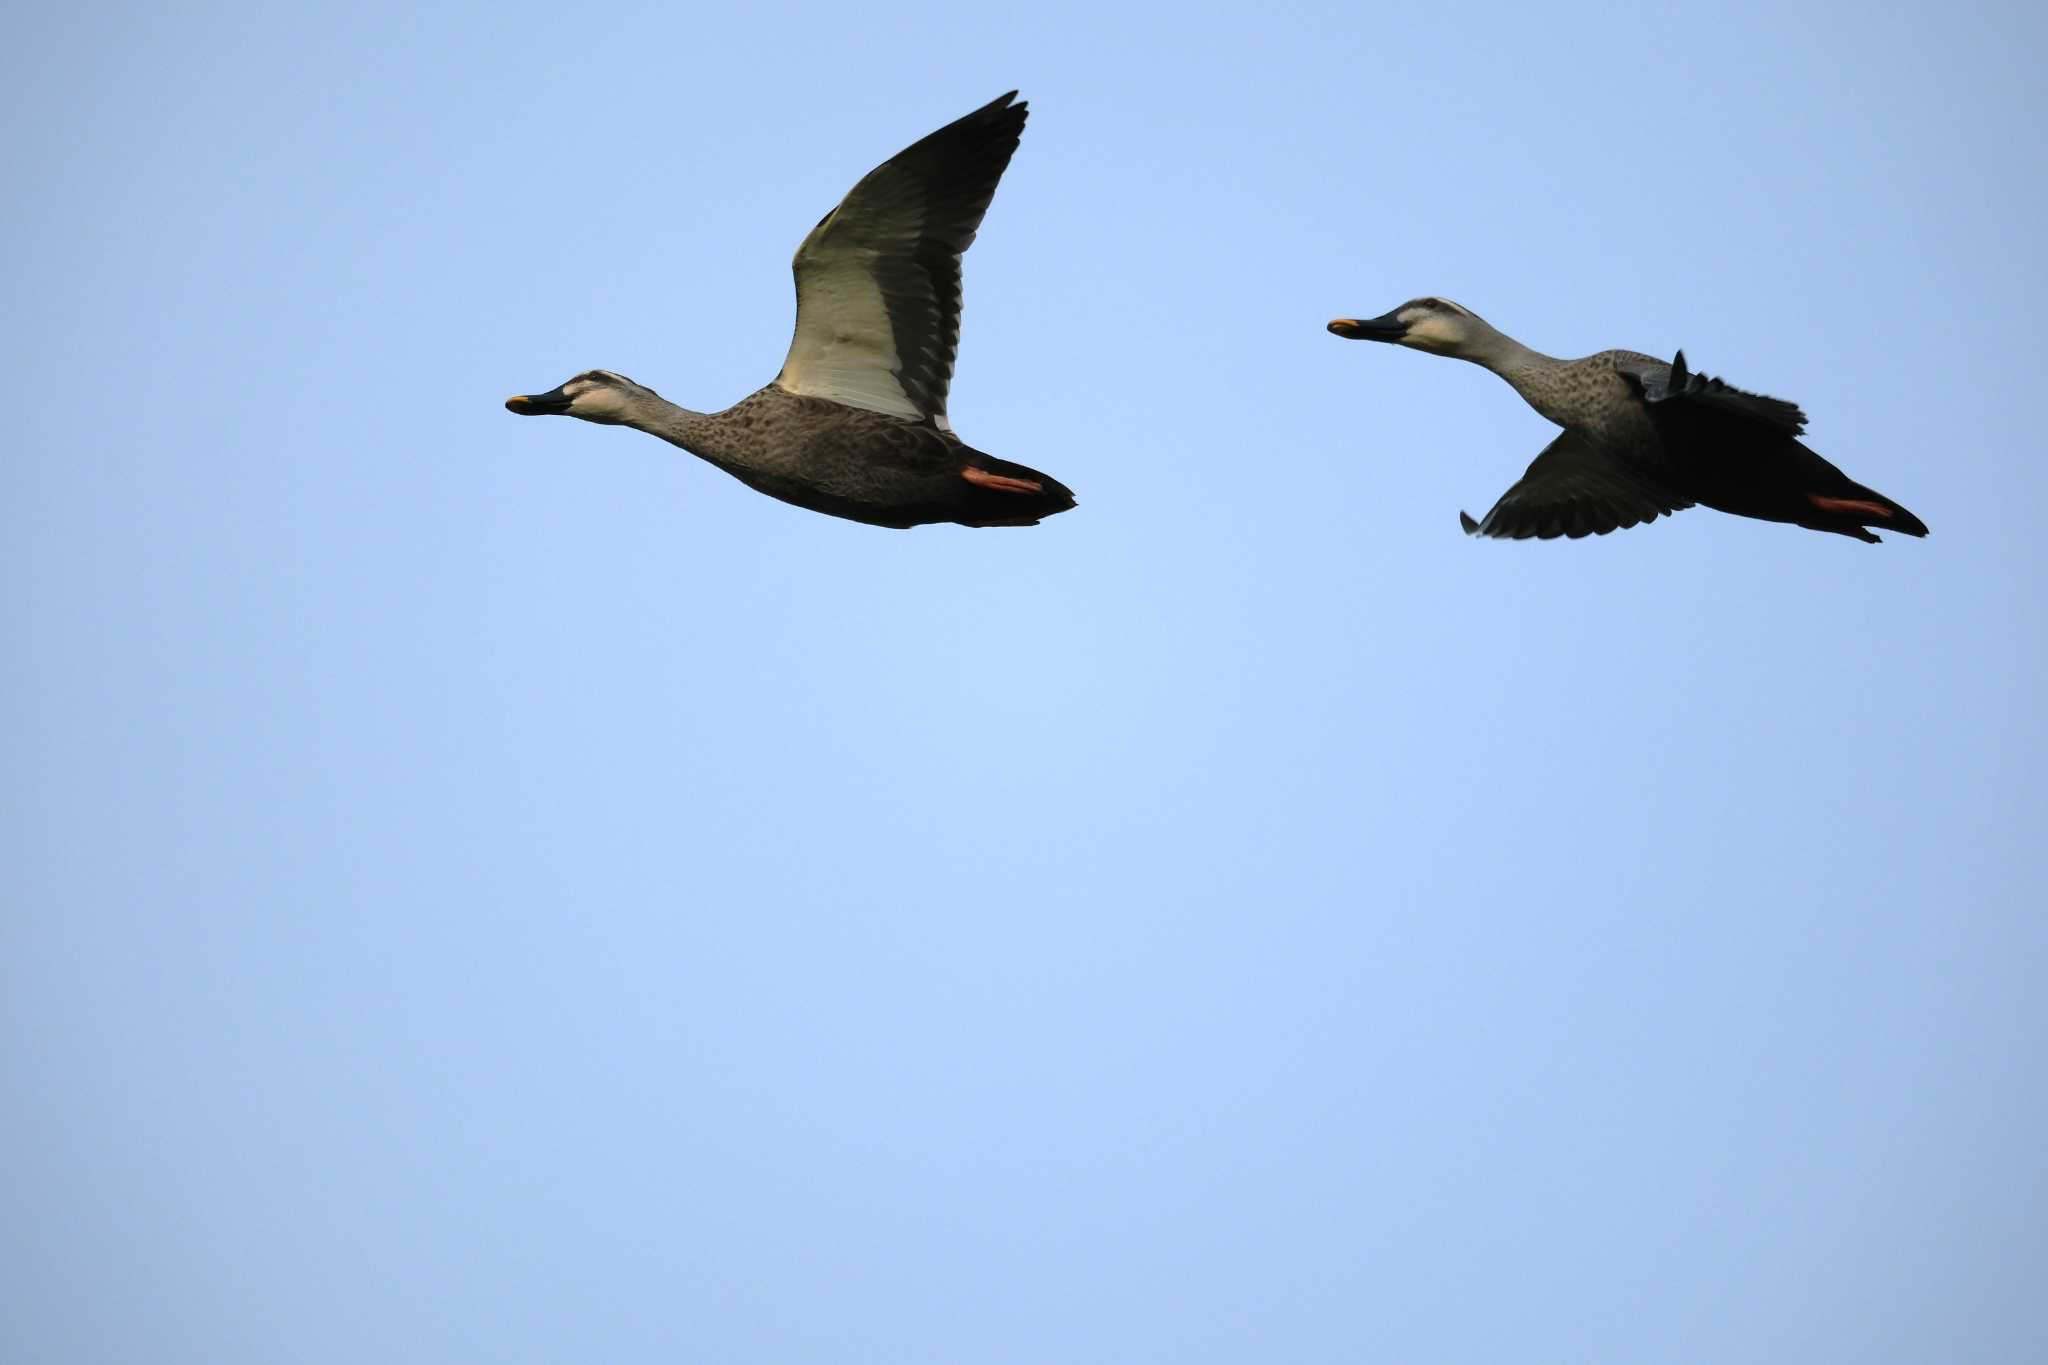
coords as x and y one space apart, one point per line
483 889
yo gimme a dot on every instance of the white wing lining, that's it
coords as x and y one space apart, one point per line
878 279
844 348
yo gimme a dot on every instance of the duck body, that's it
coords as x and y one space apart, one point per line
1729 461
868 466
1642 438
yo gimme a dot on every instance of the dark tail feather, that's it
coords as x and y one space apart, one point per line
1904 522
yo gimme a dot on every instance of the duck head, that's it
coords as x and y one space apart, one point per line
1428 324
594 395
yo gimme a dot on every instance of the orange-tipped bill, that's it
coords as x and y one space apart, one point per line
1386 327
538 404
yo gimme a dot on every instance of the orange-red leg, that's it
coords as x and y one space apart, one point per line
1872 509
1000 483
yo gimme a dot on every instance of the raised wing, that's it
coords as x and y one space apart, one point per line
1573 490
1704 397
878 280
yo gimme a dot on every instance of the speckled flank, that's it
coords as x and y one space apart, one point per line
775 439
1590 396
851 462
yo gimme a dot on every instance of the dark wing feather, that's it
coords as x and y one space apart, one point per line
1573 490
878 280
1682 389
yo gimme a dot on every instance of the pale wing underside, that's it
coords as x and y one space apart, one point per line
878 280
845 349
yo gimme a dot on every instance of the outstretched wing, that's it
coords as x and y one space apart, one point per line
1705 397
878 280
1573 490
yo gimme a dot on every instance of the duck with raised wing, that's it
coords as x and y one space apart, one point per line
1642 439
855 425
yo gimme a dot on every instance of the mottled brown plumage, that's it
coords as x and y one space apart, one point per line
865 466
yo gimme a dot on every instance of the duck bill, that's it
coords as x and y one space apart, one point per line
1386 327
539 404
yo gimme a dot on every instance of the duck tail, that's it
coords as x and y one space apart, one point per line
1849 509
1004 493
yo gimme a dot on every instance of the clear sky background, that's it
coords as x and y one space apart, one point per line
499 890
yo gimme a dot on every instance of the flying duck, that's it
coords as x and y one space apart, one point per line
855 425
1642 439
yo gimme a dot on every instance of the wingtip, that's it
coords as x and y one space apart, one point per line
1005 111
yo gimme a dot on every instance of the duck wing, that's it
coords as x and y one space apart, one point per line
878 279
1571 489
1673 391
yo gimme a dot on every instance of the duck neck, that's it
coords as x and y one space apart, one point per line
1529 373
672 422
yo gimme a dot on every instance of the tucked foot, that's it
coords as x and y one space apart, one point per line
1848 515
1850 506
1001 483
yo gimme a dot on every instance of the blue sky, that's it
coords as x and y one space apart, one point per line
485 889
